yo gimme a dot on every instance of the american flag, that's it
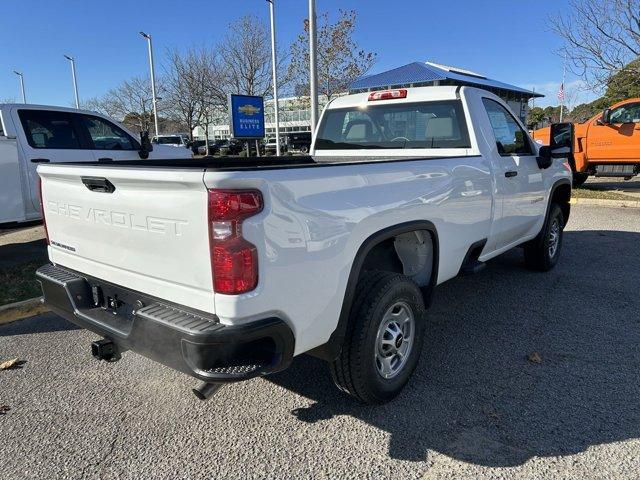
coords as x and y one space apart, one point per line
561 93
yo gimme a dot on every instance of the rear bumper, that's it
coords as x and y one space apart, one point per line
186 340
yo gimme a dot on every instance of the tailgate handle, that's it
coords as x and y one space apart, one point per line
98 184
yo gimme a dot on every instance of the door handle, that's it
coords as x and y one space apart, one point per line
98 184
511 173
40 160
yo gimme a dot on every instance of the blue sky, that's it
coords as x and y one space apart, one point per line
503 39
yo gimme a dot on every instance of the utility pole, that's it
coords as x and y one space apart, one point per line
313 65
24 98
75 82
561 93
274 66
153 82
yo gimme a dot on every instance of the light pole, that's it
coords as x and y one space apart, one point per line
75 82
24 98
274 66
313 67
153 82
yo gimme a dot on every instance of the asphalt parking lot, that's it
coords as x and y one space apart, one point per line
477 407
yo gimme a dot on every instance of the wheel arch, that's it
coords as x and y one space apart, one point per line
330 350
561 194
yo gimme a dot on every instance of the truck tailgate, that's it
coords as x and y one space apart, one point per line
149 234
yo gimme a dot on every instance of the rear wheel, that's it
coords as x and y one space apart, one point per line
542 252
384 338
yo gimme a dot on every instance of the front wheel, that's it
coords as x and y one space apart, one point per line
384 338
542 252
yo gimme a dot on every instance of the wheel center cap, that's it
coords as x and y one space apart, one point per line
399 340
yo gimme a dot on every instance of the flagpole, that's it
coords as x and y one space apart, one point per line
564 74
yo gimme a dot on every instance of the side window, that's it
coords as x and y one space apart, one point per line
510 138
629 113
105 135
47 129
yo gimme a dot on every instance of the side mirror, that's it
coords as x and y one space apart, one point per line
146 146
544 158
561 136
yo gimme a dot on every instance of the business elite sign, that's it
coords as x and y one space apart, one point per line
247 116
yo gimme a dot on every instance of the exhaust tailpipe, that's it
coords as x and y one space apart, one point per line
207 390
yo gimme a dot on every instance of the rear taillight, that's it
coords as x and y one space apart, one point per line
388 95
234 260
44 220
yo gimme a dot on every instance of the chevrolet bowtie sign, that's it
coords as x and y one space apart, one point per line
249 110
247 116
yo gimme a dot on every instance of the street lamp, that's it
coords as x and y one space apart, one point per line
24 98
75 82
274 66
153 81
313 67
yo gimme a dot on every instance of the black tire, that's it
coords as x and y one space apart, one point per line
355 371
579 179
538 254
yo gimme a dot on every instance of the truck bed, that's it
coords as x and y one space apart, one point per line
249 163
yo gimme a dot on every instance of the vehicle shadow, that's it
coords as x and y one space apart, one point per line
17 253
47 322
516 364
631 186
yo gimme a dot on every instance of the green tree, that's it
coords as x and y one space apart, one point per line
583 112
535 117
624 84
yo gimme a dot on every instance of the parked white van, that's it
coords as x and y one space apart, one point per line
32 134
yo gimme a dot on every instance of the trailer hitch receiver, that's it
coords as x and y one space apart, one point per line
106 350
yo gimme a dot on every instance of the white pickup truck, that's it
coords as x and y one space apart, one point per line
226 269
32 134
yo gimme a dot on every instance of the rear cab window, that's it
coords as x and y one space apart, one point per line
49 129
421 125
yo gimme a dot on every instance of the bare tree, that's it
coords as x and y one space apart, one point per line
182 90
131 102
206 80
340 59
601 39
245 56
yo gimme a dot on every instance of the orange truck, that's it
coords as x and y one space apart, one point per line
607 145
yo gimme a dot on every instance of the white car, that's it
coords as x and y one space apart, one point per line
32 134
172 140
226 270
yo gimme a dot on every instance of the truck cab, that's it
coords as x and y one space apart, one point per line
606 145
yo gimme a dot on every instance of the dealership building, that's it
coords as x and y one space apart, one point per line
295 112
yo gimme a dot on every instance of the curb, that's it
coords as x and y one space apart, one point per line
18 311
606 203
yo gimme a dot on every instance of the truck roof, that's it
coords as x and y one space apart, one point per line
55 108
414 94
